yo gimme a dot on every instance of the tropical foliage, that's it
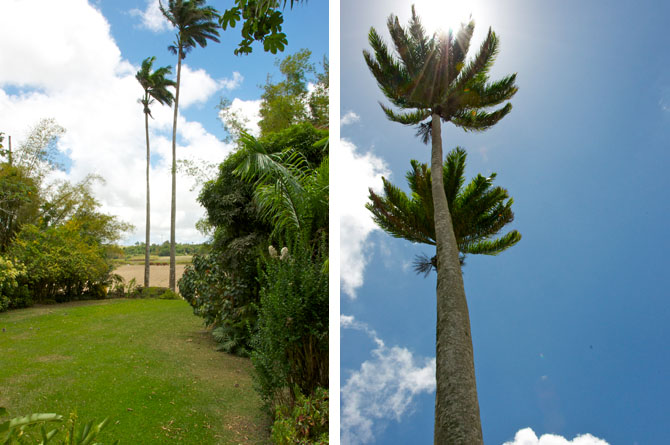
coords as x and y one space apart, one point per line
429 79
155 86
37 428
263 285
478 212
196 25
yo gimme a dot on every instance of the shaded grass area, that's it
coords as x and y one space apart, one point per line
146 364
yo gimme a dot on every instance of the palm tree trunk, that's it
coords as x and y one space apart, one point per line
173 210
148 222
456 406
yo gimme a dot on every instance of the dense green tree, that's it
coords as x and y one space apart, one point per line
289 102
478 212
19 202
195 24
155 86
430 77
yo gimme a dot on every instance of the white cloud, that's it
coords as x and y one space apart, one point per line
357 172
197 86
248 112
93 93
349 118
68 43
152 18
231 84
526 436
384 387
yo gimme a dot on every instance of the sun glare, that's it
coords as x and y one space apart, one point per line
443 15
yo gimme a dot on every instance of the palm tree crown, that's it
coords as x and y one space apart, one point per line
155 84
290 193
195 23
432 76
478 211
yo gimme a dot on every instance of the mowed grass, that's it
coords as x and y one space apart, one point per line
148 365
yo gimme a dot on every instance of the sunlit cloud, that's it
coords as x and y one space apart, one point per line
356 174
527 436
349 118
382 389
152 18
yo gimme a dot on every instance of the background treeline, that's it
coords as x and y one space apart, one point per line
162 249
54 241
263 285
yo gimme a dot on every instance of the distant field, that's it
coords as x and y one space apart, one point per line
158 275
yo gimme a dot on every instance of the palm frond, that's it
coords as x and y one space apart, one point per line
492 247
412 118
473 120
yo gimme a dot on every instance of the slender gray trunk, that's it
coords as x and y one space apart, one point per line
148 222
173 211
457 419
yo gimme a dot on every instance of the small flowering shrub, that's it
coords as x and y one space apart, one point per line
291 344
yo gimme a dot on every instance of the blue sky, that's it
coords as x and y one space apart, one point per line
570 326
75 61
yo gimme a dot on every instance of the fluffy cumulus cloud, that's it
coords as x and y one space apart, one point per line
71 69
356 173
383 388
197 86
349 118
527 436
247 112
151 17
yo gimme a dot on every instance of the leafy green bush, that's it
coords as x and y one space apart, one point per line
169 295
306 423
60 262
225 302
9 275
32 429
291 344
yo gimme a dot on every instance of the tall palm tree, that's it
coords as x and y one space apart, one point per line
196 24
155 85
431 78
478 211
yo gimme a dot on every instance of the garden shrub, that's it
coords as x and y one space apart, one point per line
60 262
12 293
223 301
169 295
291 344
306 423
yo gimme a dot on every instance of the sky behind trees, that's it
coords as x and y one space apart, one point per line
569 325
75 61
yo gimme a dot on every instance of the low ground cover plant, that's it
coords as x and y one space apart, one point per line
49 428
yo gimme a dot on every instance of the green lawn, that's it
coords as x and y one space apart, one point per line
146 364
